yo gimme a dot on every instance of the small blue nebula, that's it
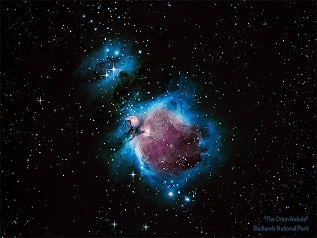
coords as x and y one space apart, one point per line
101 68
182 102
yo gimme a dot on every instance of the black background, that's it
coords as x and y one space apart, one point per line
254 61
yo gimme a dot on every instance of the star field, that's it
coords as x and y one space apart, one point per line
72 72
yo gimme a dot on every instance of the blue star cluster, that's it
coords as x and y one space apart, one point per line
104 65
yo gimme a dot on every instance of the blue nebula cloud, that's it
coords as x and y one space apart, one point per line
102 71
181 102
101 68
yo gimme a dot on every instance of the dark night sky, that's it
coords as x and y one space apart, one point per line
256 64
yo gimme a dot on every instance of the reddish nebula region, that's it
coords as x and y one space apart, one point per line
167 144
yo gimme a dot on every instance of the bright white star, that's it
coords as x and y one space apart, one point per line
114 224
145 227
40 100
133 174
113 69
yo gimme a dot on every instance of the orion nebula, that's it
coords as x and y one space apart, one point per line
168 140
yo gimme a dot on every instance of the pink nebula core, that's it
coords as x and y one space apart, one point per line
166 143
